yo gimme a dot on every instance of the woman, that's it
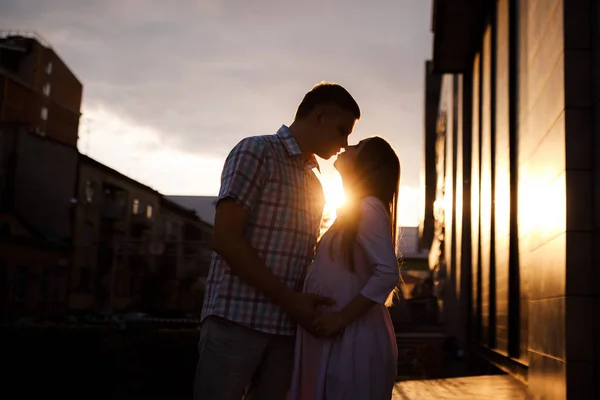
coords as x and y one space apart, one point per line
355 353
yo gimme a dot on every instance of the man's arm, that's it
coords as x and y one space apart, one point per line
242 181
230 243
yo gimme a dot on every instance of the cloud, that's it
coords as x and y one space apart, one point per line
141 156
203 74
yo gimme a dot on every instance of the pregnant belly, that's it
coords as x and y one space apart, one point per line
331 280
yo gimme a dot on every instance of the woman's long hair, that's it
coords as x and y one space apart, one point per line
376 172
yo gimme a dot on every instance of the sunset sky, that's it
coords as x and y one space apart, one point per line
170 87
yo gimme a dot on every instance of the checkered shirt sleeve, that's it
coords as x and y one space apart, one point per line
244 173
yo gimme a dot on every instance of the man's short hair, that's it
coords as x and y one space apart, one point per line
327 93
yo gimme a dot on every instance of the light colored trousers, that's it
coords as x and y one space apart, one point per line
235 360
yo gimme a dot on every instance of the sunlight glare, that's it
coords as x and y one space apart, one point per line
334 192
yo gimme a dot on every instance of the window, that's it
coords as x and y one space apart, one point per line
88 234
89 191
44 113
85 280
136 207
3 277
4 229
123 284
46 89
20 288
49 68
60 284
45 285
149 211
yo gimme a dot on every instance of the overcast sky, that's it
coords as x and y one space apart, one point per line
171 86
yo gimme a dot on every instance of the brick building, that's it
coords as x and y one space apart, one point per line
133 249
184 262
35 221
33 271
512 215
112 211
37 89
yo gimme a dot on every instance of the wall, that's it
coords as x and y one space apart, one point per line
33 274
64 101
44 184
24 95
187 255
432 99
521 206
95 235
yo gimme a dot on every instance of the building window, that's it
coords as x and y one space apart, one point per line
44 113
47 88
123 285
45 285
89 191
149 211
20 292
4 229
88 234
49 68
85 280
136 207
60 284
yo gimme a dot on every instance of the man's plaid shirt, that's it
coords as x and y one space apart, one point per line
268 176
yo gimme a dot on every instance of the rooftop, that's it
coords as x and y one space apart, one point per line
203 205
9 34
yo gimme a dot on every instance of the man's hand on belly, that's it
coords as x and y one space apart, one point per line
303 308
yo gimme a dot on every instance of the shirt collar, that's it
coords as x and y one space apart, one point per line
292 148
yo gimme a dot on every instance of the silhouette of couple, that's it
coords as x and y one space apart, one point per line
287 313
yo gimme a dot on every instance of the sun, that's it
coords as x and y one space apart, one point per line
334 198
334 192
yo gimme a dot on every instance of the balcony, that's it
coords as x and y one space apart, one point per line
112 210
142 221
113 203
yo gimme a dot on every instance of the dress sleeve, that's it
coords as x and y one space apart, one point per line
375 239
244 173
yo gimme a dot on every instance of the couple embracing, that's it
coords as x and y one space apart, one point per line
287 313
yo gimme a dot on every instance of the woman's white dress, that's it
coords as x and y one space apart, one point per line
361 362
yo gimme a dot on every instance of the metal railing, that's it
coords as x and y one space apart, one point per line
5 33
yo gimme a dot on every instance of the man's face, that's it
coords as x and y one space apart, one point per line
346 161
333 126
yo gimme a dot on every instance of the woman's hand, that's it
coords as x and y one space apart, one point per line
327 325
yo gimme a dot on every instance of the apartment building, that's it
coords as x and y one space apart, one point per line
37 176
37 88
114 217
512 213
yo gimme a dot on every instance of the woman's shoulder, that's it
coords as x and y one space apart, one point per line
373 213
372 205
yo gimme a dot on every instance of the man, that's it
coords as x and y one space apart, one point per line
267 222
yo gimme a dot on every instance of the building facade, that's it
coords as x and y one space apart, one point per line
37 180
184 262
37 89
114 215
37 176
133 249
512 215
33 271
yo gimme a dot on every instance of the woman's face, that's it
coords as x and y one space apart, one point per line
345 163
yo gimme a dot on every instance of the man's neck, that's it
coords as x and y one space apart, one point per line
299 132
